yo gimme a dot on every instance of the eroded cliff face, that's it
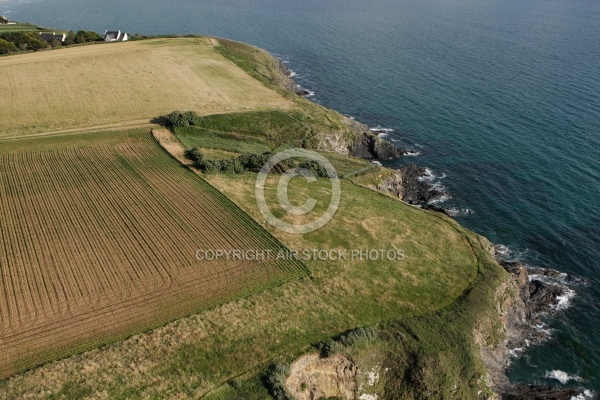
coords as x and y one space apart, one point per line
520 301
356 140
312 377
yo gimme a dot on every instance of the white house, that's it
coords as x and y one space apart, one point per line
115 36
6 21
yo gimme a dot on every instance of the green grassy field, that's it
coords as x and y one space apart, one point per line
22 27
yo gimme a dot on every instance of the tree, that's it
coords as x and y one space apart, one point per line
70 38
86 36
7 47
55 42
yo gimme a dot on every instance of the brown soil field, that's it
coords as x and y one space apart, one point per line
122 82
98 241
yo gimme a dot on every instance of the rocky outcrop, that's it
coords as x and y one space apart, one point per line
531 392
408 184
312 377
371 147
521 300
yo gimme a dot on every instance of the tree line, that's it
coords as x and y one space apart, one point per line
14 42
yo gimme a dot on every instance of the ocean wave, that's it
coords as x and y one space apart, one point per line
587 394
428 175
564 300
506 253
441 199
380 129
562 376
453 212
382 132
516 352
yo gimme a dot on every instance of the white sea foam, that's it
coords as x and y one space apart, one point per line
376 162
428 175
292 74
562 376
587 394
505 253
413 153
502 250
380 129
458 211
516 352
441 199
564 300
561 278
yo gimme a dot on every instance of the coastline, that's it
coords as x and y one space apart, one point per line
531 293
409 185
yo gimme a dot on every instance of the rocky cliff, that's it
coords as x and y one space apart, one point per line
521 301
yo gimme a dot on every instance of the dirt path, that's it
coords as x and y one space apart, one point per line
173 146
140 123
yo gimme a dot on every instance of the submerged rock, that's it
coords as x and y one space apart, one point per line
531 392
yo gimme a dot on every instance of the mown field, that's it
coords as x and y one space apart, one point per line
123 82
99 238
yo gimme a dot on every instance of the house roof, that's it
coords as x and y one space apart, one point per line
49 36
114 35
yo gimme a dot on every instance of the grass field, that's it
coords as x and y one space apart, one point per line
120 82
23 27
99 237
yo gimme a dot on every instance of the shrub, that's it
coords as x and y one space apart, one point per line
178 119
275 381
347 339
7 47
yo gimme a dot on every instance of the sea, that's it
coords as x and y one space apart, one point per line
500 99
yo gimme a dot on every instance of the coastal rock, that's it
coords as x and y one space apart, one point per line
371 147
407 183
531 392
520 314
313 377
543 296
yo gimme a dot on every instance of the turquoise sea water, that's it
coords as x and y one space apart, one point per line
501 97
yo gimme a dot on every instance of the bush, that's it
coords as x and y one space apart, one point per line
275 381
7 47
178 119
24 40
347 339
